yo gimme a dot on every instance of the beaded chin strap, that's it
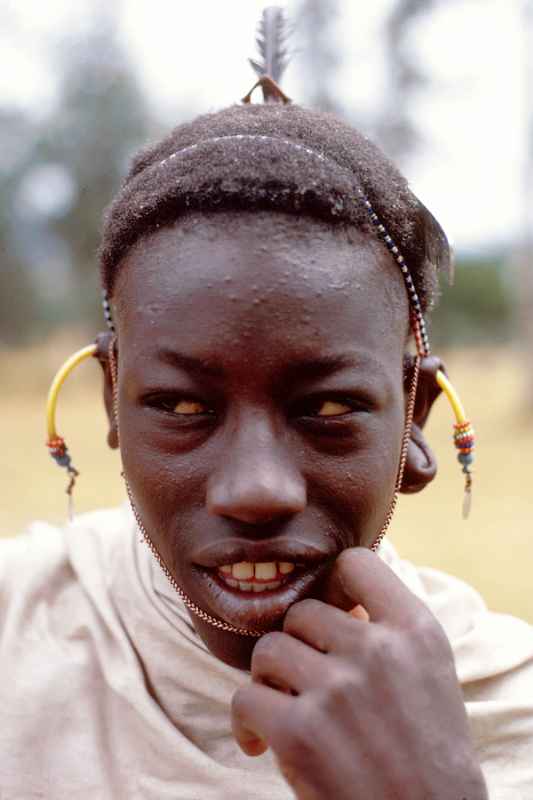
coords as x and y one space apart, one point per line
199 612
463 431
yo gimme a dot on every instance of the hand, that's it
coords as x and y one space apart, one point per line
360 708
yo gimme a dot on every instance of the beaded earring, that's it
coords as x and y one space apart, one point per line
464 435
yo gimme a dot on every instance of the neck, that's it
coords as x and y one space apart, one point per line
231 648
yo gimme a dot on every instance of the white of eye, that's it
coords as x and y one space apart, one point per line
331 408
189 407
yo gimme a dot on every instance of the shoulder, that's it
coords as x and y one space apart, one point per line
47 562
44 546
65 660
33 558
486 645
457 605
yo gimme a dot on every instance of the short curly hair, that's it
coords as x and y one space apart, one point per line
252 173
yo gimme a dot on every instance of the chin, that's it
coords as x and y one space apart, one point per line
231 648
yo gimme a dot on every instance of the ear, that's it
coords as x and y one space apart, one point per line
102 354
421 464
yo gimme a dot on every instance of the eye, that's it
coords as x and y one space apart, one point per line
332 408
189 408
179 406
325 407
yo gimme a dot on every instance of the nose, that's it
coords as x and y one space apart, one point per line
257 481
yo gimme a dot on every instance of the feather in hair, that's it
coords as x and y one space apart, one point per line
272 43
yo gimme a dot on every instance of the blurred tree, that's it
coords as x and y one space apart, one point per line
524 256
394 129
478 308
61 168
318 55
100 121
18 296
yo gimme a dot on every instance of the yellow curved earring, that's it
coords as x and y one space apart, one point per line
55 443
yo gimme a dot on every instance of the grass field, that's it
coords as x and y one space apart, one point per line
493 550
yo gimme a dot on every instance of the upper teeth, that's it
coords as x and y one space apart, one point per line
265 571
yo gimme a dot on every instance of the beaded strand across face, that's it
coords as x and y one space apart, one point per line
193 607
269 74
463 430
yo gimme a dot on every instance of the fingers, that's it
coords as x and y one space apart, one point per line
286 663
324 627
258 714
359 576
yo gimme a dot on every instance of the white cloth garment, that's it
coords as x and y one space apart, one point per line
107 693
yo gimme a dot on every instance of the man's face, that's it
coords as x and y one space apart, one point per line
261 406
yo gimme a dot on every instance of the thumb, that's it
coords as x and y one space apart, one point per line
335 594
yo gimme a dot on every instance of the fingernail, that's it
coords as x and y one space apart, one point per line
360 612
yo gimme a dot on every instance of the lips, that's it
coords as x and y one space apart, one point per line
235 550
242 605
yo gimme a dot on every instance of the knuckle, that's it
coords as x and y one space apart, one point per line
381 646
298 611
429 636
267 650
240 701
352 557
343 685
425 628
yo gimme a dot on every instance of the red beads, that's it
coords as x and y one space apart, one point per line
57 446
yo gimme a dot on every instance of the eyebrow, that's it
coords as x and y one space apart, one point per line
303 369
196 366
323 366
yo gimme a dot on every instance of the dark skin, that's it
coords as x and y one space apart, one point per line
261 400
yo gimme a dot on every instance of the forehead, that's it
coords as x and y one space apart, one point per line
268 283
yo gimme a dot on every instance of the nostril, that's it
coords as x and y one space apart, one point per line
249 517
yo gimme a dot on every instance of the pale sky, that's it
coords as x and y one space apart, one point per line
470 169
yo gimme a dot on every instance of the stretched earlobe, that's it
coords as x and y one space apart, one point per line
103 341
112 437
428 389
421 464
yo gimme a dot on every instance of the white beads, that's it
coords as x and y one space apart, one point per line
381 229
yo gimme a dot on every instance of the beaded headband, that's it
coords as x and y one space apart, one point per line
418 325
269 73
463 431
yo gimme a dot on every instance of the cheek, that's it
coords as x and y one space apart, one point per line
167 479
357 488
381 474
